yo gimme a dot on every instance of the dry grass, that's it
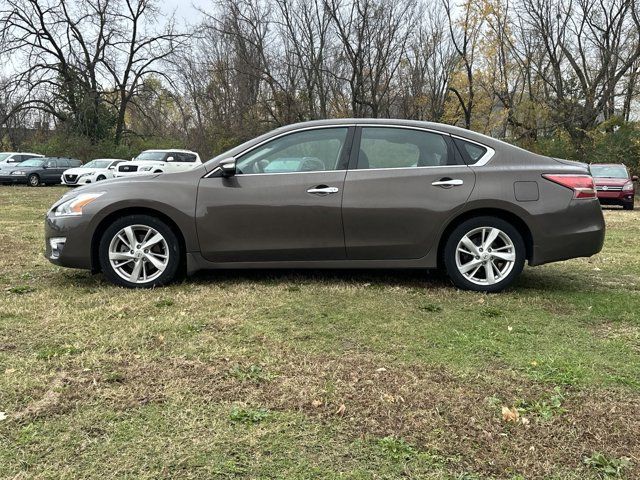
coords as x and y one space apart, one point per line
316 375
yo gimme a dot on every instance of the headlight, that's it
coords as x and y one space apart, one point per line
18 172
74 206
146 169
627 187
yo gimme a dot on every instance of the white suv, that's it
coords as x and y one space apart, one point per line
12 159
159 161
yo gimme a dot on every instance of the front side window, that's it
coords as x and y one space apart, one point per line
50 164
184 157
307 151
384 147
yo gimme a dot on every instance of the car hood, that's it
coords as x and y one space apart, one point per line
25 169
144 162
615 182
80 171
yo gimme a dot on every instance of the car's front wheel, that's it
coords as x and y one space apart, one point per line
139 251
33 180
484 254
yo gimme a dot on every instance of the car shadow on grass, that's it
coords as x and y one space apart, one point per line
389 278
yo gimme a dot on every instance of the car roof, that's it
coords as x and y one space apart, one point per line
167 150
109 159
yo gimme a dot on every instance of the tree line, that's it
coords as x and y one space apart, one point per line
557 76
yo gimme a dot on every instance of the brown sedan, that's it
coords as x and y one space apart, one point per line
348 193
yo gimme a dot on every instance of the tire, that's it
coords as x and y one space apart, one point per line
484 268
156 265
33 180
100 178
627 206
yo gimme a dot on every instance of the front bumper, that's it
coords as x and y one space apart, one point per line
616 197
79 181
13 179
76 251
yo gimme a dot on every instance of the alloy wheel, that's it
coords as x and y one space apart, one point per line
485 255
138 253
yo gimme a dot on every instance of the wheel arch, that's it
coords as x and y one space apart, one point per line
514 219
111 217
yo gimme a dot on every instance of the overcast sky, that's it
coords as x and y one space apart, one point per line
186 10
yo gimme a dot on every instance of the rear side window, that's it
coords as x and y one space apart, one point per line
74 163
383 147
472 152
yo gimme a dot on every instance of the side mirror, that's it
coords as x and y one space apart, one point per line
112 167
169 159
634 178
228 167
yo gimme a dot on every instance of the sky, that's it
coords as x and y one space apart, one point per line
186 11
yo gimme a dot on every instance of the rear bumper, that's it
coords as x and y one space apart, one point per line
579 231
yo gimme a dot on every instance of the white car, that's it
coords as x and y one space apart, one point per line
159 161
91 172
10 160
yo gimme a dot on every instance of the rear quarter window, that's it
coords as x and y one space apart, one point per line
471 152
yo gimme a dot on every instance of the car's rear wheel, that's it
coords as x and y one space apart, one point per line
139 251
484 254
33 180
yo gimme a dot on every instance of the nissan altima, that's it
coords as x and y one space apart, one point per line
349 193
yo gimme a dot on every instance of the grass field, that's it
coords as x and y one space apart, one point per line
354 375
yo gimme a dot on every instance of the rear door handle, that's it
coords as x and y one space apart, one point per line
323 190
447 182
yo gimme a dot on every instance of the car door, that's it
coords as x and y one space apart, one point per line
51 171
284 203
402 185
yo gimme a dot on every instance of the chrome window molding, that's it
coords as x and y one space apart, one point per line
483 160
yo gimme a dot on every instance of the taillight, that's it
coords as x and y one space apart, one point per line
582 185
628 187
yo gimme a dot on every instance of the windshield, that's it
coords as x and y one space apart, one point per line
97 164
3 156
150 156
609 171
33 162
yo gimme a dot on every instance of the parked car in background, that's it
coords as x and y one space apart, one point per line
91 172
159 161
614 184
39 171
348 193
9 160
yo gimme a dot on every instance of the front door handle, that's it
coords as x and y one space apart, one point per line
447 182
323 190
